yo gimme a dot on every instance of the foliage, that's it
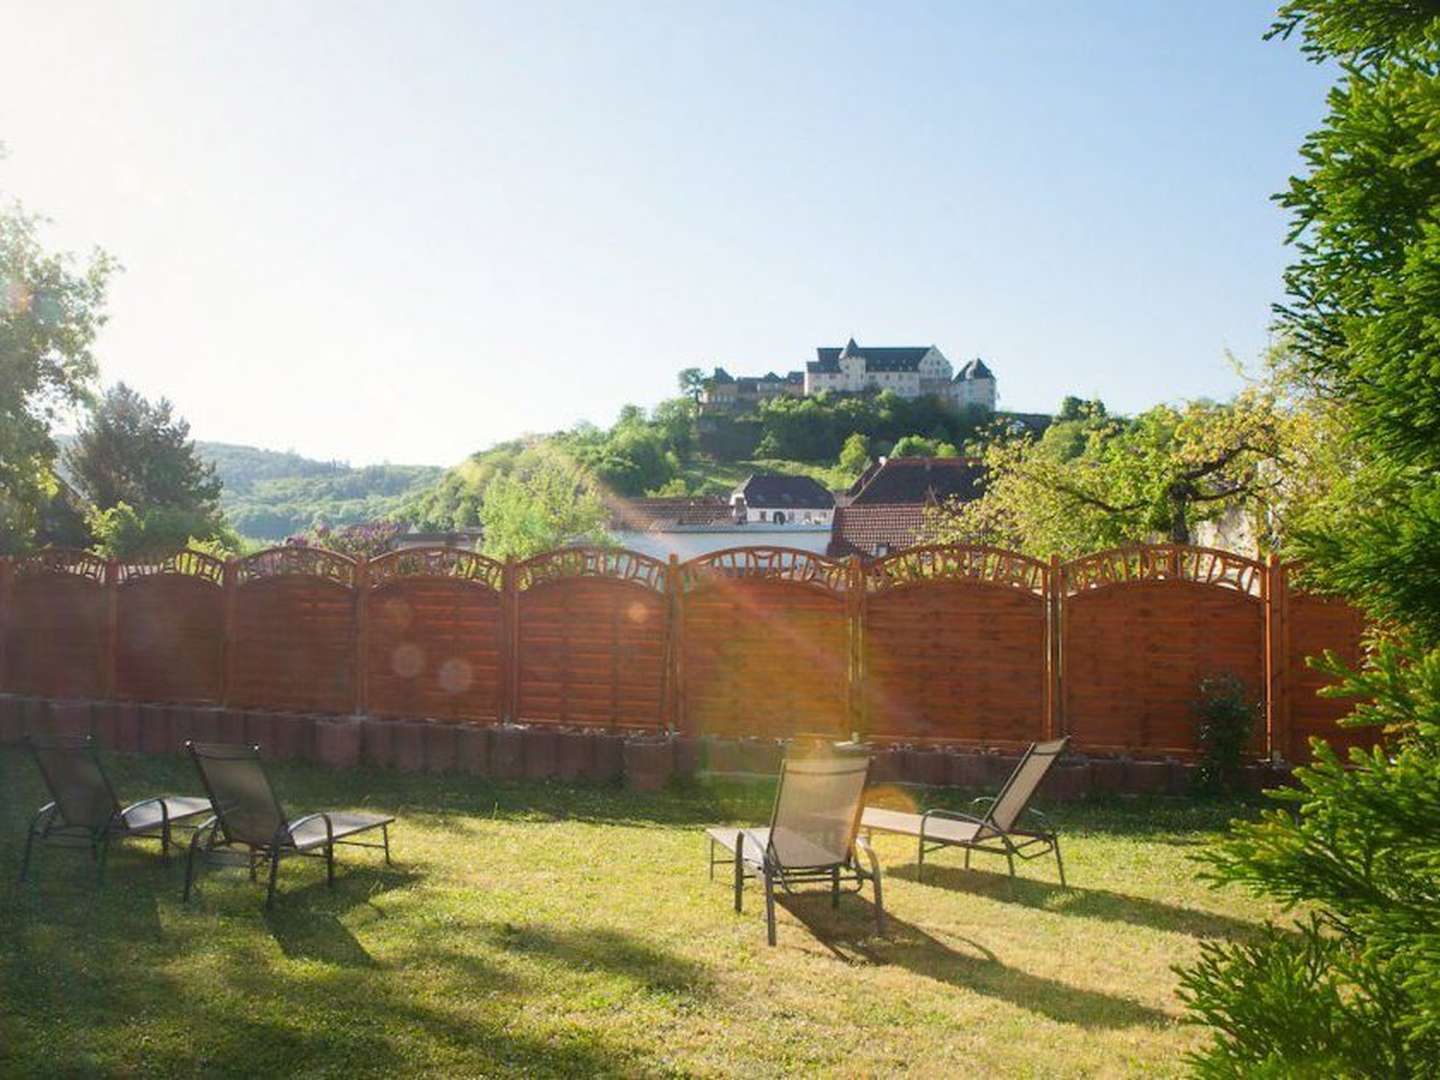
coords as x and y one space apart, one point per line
549 503
51 308
691 381
919 446
1362 849
1226 716
365 540
816 428
130 450
1097 481
122 532
270 495
855 453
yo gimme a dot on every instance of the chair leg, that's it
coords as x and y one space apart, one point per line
769 908
920 863
1010 858
190 865
835 887
29 847
165 841
385 835
879 904
330 865
967 858
1059 862
274 873
739 878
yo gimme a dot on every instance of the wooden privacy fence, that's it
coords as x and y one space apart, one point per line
938 644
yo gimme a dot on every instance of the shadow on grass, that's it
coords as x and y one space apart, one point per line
606 950
1084 903
849 935
306 923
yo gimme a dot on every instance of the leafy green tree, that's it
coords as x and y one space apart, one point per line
692 383
855 454
549 504
122 532
1098 481
51 308
1356 991
916 446
140 453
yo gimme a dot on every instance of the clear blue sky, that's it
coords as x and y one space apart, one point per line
405 231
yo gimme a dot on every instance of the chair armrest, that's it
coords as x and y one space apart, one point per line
289 830
158 800
948 815
1042 818
863 845
983 800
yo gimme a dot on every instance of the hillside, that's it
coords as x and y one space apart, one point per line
269 494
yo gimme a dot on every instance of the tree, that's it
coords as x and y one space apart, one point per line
551 503
137 452
692 382
916 446
855 454
51 308
1099 481
1355 991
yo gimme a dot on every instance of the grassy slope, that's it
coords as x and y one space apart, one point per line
722 477
545 930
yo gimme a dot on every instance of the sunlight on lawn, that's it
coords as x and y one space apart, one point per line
540 929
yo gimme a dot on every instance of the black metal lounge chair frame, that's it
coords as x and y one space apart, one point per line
1045 838
210 842
48 826
770 871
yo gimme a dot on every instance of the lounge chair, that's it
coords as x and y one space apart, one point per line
84 810
812 833
248 815
1008 826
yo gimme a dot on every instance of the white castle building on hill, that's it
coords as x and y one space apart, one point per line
910 371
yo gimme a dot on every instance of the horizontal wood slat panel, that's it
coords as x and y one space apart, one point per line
56 635
434 649
955 660
1317 624
294 645
170 639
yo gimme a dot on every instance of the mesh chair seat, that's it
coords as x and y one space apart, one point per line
898 821
311 833
801 853
147 817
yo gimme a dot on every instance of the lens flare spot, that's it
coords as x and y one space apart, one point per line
455 676
407 660
637 612
398 613
891 797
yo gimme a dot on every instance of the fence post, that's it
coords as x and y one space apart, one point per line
857 702
362 636
109 652
1277 726
1055 719
509 641
227 640
671 673
7 600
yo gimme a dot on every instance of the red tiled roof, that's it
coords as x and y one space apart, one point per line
919 480
656 514
873 530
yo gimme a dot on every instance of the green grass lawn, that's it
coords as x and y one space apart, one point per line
549 930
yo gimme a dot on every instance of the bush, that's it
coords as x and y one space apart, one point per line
1226 717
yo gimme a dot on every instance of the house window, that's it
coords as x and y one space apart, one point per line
762 515
779 517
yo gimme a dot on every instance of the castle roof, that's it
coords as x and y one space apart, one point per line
877 358
975 369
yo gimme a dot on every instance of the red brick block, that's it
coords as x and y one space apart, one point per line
574 754
609 760
472 750
407 741
1066 783
541 753
377 743
1107 776
127 727
726 755
233 726
260 731
71 718
155 732
928 767
687 756
35 716
887 765
182 727
12 720
507 752
649 763
440 747
337 743
206 723
968 770
1147 777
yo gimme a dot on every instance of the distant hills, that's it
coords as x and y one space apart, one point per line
270 494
